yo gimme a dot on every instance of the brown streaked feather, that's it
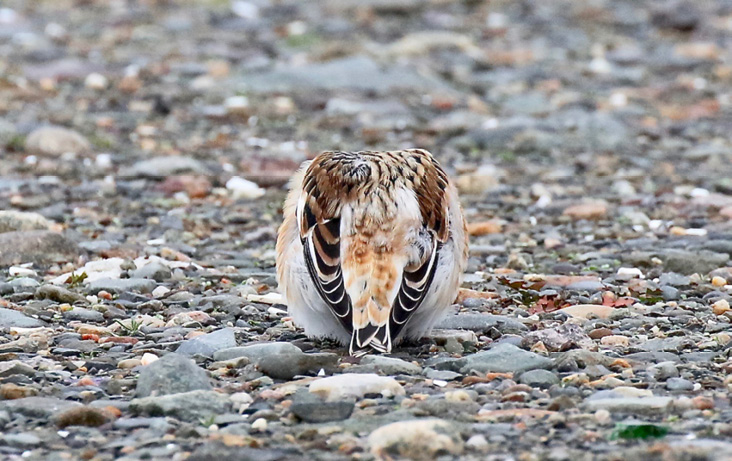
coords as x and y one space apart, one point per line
372 297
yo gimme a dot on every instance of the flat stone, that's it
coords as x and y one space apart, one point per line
84 315
314 410
358 73
578 359
672 344
174 373
39 247
217 450
54 140
187 406
391 365
24 440
11 318
161 167
679 384
153 270
419 439
539 378
586 311
501 358
279 360
692 262
16 367
58 294
11 220
256 352
209 343
631 405
121 285
482 323
37 407
355 385
562 337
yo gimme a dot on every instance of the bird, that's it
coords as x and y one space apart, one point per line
372 247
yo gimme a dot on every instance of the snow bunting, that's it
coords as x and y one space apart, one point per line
372 248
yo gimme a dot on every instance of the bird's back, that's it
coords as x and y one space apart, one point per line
371 224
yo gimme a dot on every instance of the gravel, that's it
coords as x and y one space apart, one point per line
146 149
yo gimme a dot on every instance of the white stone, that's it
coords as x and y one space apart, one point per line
260 425
246 10
241 401
477 442
243 188
18 271
237 104
355 385
269 298
630 272
96 81
55 140
160 291
416 439
148 358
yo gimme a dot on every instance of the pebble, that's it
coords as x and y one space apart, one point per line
38 407
720 307
421 439
12 318
84 315
11 220
355 385
317 411
588 310
631 405
391 365
559 338
121 285
543 379
83 416
586 211
56 141
615 341
279 360
192 406
161 167
241 188
209 343
59 294
172 374
39 247
679 384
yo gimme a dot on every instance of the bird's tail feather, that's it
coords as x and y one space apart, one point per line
375 337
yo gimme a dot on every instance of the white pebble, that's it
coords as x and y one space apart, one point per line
618 99
96 81
603 416
477 442
260 424
242 188
245 10
103 161
148 358
630 272
15 271
160 291
237 104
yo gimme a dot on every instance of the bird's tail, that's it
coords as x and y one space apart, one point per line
371 336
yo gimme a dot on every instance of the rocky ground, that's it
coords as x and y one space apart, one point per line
145 146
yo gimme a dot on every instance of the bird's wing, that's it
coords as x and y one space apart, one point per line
429 183
319 222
